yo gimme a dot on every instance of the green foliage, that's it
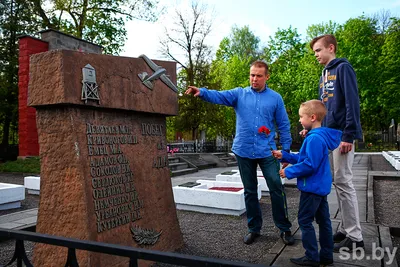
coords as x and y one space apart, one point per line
389 62
323 28
229 70
290 70
360 43
15 19
28 165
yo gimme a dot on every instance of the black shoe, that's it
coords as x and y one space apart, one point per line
287 238
304 261
250 238
325 262
349 244
338 237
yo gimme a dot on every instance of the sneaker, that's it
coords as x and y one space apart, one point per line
338 237
304 261
287 238
349 244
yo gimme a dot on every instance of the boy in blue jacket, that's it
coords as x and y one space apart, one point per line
314 179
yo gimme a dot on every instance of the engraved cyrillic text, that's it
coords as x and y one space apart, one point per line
115 199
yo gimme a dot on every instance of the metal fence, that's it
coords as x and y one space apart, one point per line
133 254
199 147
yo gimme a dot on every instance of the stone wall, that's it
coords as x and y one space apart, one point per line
27 131
60 40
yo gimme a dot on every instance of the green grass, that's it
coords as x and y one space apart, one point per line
28 165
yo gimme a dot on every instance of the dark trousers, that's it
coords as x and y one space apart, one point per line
270 169
314 206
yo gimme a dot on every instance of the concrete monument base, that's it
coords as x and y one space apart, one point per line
32 183
201 199
11 196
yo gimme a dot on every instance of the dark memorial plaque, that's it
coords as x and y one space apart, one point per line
104 164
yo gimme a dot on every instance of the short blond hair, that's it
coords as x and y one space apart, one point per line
315 107
327 39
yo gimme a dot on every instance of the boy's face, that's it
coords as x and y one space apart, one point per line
323 54
305 119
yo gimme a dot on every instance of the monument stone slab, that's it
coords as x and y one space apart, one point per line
104 165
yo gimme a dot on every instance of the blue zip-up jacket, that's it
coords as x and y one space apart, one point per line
311 165
339 92
253 110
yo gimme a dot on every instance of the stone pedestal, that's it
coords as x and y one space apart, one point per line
104 164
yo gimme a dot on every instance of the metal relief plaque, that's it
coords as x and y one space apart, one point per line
159 73
90 89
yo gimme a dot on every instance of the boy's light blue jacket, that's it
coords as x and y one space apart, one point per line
311 165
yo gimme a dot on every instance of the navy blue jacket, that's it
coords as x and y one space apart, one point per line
339 92
311 165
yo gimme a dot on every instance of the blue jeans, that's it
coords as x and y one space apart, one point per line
314 206
270 169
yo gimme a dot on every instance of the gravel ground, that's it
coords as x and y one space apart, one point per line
221 236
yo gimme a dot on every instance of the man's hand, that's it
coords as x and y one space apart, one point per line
282 173
345 147
277 154
303 133
192 90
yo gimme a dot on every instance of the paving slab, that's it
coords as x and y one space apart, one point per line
19 220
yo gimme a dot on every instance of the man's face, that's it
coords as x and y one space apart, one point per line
323 54
258 78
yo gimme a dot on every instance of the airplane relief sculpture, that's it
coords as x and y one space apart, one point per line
159 73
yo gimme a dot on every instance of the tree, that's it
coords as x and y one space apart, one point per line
315 30
230 69
99 21
389 62
359 42
285 52
188 35
15 19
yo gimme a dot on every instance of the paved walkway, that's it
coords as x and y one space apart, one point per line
376 237
21 220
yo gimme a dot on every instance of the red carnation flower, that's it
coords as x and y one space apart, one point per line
264 130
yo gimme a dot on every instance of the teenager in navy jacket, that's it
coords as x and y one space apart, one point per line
338 90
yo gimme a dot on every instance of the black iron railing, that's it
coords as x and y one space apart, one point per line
199 147
134 254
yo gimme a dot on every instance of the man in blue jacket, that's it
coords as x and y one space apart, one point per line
257 107
311 167
339 92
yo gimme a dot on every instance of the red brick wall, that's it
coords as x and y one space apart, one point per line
27 131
